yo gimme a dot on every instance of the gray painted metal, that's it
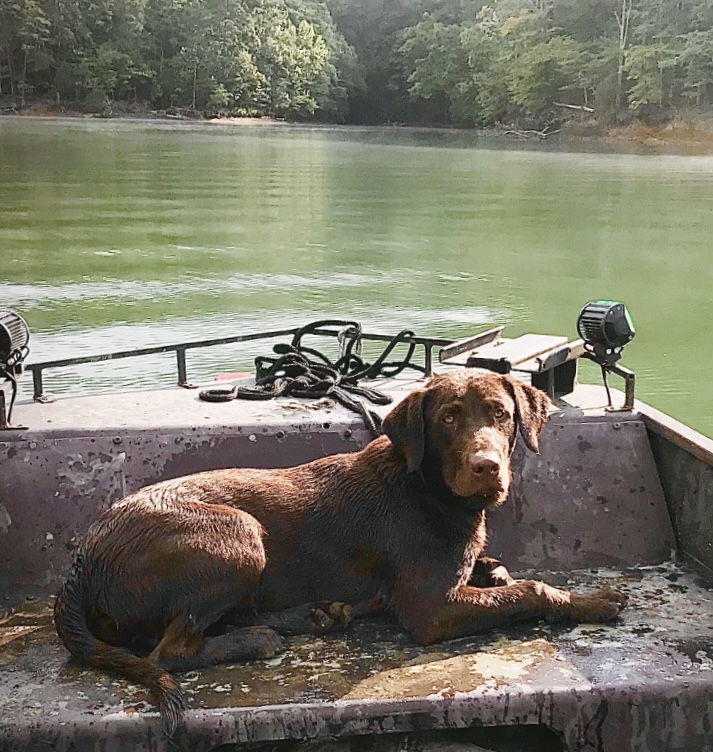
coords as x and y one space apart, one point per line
593 498
685 463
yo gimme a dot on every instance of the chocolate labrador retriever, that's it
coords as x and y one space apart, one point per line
399 525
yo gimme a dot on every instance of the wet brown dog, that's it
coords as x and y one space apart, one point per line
400 523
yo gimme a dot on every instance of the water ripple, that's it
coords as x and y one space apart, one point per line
29 296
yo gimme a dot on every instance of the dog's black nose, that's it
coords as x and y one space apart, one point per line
485 464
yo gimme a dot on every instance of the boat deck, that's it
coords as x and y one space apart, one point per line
176 408
594 504
561 676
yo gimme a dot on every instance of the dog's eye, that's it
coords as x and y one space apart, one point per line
448 418
500 413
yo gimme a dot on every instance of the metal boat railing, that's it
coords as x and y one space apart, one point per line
38 369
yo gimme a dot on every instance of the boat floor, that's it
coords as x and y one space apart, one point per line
663 641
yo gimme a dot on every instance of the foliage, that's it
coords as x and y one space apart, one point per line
448 61
274 57
521 60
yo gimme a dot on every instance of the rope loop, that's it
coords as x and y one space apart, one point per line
301 371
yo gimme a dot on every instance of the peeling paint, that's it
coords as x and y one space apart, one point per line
8 634
87 475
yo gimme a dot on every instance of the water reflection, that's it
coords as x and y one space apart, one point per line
115 234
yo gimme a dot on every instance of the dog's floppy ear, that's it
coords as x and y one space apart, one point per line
405 427
532 408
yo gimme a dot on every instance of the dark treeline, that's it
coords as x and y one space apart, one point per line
459 62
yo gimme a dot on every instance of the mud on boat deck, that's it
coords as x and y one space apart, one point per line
530 674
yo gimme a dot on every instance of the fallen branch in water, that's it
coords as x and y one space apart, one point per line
530 133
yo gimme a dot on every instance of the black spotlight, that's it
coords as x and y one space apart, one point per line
14 336
606 328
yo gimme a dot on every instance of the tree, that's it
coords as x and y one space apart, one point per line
452 61
24 32
374 29
438 63
696 61
538 75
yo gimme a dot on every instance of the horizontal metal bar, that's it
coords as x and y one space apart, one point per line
434 341
156 350
426 341
37 369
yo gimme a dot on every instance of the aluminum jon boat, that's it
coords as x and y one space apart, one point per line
620 494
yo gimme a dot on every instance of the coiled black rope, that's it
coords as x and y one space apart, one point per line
301 371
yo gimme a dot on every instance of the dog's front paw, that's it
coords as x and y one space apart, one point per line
603 605
500 577
331 617
264 641
489 573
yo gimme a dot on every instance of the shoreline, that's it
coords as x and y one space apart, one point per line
692 136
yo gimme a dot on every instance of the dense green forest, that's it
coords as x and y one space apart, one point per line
437 61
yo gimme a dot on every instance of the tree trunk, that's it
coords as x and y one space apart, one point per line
620 80
10 73
24 77
623 23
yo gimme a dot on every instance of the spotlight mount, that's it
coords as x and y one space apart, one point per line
606 327
14 336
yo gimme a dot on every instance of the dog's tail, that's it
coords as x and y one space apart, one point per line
70 618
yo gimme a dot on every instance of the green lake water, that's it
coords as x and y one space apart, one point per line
118 234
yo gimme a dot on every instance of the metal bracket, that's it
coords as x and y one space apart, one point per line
629 386
5 425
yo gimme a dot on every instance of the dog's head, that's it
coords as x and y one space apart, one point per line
463 424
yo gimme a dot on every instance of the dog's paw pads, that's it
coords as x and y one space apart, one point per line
332 616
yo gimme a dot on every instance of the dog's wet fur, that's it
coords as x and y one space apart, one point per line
217 566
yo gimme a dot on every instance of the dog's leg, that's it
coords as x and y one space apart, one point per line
309 618
244 644
185 646
433 613
490 573
322 617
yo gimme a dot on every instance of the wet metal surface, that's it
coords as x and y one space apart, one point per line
376 678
